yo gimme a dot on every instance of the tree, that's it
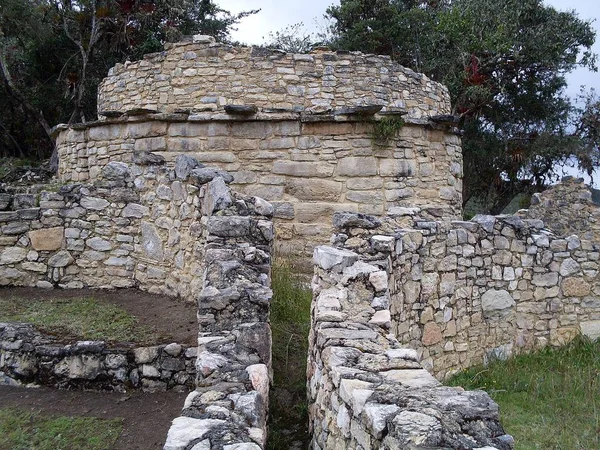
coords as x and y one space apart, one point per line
504 63
54 53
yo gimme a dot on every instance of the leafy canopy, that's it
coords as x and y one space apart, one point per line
504 62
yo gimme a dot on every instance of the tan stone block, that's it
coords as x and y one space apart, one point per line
268 192
320 212
397 168
47 239
303 169
575 287
327 129
363 184
214 157
314 190
355 166
184 145
432 334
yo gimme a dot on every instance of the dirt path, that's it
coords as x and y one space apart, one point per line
146 417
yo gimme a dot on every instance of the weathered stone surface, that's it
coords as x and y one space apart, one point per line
184 164
575 287
329 258
61 259
134 210
591 329
11 255
94 203
204 175
47 239
496 301
346 220
115 170
152 245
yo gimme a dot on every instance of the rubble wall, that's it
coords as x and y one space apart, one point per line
366 390
30 357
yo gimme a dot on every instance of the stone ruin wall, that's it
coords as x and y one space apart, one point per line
366 389
307 149
399 298
178 232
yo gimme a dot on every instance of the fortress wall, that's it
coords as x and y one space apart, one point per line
307 170
206 76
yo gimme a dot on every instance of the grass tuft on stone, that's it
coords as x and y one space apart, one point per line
77 318
290 325
549 399
20 430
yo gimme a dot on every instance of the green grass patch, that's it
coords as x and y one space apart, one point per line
80 318
290 324
21 430
549 399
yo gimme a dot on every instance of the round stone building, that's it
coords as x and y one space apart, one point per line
312 133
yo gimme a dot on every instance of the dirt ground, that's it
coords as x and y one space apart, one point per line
173 319
146 416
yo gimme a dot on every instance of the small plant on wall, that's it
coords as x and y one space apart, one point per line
386 129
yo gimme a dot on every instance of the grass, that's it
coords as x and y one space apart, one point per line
80 318
21 430
386 129
290 324
549 399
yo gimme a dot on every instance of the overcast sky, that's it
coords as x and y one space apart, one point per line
276 14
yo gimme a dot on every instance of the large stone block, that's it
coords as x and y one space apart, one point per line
357 166
314 190
47 239
303 169
496 302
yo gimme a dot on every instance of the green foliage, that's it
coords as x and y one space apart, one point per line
548 399
54 53
386 129
21 430
290 325
504 63
82 318
292 39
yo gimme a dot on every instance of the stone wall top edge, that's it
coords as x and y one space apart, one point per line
270 53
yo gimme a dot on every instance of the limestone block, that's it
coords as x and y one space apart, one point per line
432 334
303 169
329 258
356 166
11 255
496 302
591 329
61 259
397 168
185 430
152 246
314 190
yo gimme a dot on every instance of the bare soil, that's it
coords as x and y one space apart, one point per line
172 319
146 416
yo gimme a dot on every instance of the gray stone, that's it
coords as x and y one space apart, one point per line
11 255
569 267
377 416
217 197
61 259
115 170
134 210
204 175
591 329
416 428
185 430
99 244
152 244
332 258
347 220
184 164
230 226
145 158
23 201
486 222
494 302
94 203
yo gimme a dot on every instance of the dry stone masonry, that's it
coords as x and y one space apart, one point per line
296 130
366 390
405 295
176 231
29 357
